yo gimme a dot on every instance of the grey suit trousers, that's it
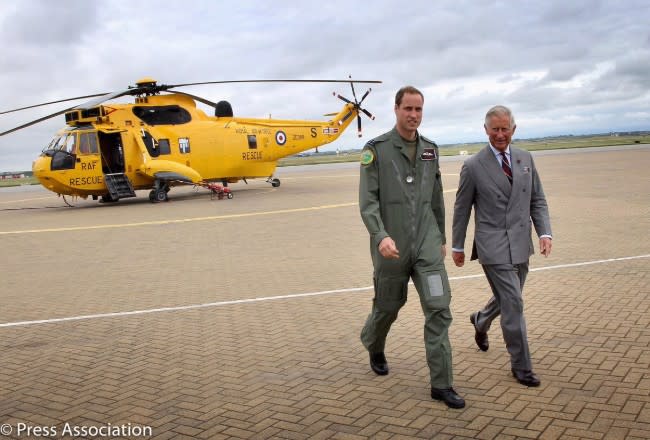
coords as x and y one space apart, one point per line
507 283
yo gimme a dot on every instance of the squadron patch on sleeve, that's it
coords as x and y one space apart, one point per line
367 157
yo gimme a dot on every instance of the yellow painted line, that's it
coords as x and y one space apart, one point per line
184 220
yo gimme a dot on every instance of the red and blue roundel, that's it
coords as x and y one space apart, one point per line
280 137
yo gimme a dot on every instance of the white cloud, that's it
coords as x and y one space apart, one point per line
562 66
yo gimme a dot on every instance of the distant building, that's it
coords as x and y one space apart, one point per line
7 176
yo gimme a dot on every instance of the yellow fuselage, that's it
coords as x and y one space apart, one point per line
131 139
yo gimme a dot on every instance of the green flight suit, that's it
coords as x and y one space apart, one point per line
404 200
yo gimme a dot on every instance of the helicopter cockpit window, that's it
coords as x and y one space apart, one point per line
70 143
88 143
62 150
163 115
54 144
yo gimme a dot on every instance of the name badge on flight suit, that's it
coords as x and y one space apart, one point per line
428 154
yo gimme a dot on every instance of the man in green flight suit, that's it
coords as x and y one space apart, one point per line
402 206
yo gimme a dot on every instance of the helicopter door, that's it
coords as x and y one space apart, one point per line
112 152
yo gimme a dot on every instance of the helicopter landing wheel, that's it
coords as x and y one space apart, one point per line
275 183
230 196
158 195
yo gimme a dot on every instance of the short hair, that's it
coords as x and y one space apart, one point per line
500 110
406 89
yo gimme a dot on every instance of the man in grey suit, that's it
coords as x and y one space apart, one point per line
502 184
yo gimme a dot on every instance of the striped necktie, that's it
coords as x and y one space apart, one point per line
505 165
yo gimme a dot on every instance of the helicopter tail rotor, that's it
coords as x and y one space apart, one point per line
357 106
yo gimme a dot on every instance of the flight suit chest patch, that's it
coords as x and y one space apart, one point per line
428 154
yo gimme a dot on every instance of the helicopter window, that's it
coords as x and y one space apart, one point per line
163 115
62 161
54 144
150 143
88 143
163 146
252 141
70 143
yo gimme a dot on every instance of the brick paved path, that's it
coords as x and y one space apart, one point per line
293 367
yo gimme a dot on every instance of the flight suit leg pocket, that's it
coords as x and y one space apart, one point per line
434 282
390 294
434 290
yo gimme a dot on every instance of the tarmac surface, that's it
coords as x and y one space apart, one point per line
209 319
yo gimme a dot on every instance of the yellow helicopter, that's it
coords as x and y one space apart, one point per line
110 150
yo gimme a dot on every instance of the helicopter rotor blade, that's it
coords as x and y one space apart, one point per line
357 106
139 89
197 98
354 95
364 96
52 102
151 88
367 113
166 87
106 97
344 99
36 121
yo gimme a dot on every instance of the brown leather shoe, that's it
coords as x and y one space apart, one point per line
378 363
481 338
526 377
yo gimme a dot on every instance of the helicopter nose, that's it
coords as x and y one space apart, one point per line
40 168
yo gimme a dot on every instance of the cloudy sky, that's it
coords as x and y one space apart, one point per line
563 66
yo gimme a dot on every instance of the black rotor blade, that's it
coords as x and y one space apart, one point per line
36 121
135 90
165 87
354 95
346 100
364 96
198 98
52 102
108 96
358 125
367 113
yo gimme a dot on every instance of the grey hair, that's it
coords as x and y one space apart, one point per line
500 110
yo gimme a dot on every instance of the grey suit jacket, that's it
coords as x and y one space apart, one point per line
502 212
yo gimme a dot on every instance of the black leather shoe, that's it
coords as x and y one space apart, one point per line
378 363
526 377
481 338
449 396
